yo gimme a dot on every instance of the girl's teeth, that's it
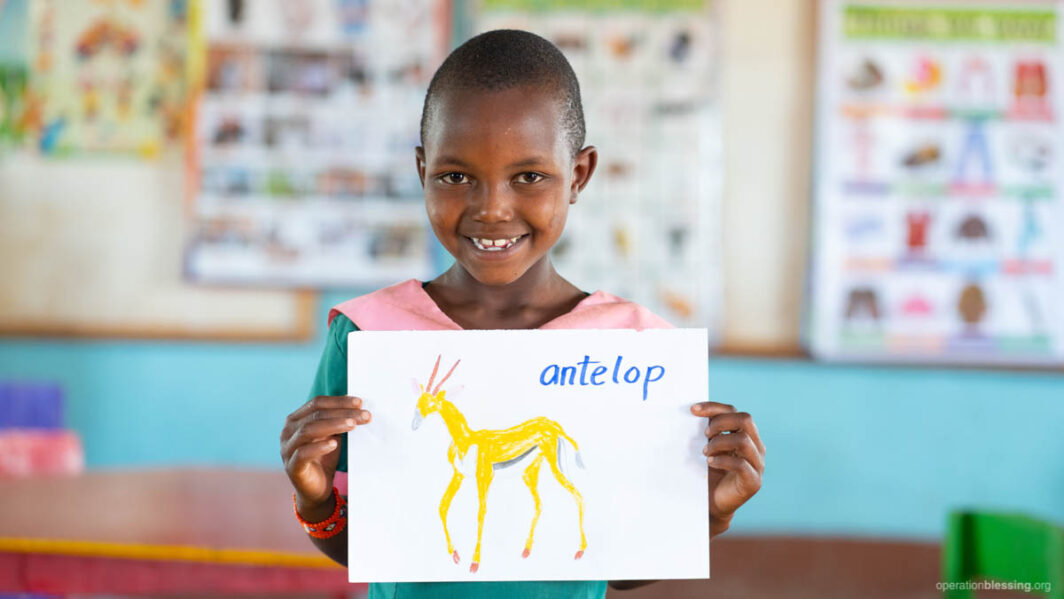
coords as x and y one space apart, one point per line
494 245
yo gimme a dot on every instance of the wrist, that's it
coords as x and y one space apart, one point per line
326 528
315 510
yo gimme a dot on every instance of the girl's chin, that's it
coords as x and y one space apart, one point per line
495 279
498 275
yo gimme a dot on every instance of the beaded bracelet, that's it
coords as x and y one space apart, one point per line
331 526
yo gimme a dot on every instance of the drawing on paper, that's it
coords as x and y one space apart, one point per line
530 444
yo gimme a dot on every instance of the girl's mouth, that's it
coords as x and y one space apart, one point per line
495 245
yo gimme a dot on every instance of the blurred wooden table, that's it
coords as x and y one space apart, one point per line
773 567
203 532
159 532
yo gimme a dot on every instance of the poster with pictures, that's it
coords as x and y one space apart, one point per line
104 77
938 183
646 227
14 70
303 167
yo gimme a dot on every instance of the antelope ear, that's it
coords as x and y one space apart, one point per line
416 386
456 392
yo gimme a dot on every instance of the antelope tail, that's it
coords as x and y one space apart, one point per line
561 452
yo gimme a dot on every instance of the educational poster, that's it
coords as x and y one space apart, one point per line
647 226
106 77
303 171
14 70
938 184
576 458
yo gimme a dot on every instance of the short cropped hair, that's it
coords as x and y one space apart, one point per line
504 59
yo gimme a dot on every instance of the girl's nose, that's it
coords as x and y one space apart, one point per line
494 203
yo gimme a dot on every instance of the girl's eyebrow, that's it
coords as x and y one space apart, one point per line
453 161
527 162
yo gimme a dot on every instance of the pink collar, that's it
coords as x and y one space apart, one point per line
407 306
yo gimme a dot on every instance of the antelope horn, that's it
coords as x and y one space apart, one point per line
435 369
447 376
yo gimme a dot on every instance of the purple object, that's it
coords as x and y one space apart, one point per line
31 405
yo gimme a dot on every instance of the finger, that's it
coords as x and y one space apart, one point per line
738 445
290 427
319 430
731 422
310 451
749 479
736 422
755 435
325 402
709 409
359 416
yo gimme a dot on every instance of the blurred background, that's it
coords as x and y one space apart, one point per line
860 200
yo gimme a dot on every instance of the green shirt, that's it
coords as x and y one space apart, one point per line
331 379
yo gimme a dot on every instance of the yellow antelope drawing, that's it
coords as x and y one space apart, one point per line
532 442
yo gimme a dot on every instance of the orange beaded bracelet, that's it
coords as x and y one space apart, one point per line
331 526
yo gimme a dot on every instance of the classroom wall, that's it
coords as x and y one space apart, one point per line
851 450
767 66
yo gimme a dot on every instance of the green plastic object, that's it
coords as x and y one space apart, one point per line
1006 548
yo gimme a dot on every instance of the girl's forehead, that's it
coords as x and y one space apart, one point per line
523 116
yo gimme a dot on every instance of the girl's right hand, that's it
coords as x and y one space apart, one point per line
310 445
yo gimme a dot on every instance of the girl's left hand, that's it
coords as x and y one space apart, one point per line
736 458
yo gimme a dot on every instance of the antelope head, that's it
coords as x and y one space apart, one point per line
430 398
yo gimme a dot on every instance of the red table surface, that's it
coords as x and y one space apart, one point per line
158 531
234 531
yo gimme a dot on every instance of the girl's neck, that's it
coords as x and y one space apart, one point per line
538 296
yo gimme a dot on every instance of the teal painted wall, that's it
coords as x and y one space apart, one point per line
851 450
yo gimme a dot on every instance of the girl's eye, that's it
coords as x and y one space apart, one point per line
530 177
454 178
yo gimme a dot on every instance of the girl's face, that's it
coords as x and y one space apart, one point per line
499 177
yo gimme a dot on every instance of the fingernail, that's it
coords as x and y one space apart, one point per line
363 417
349 422
711 459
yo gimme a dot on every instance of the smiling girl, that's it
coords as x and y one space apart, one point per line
502 159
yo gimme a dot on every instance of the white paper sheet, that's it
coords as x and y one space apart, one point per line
643 483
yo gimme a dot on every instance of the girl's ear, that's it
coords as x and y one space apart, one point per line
419 154
583 167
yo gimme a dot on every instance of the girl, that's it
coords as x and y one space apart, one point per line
501 160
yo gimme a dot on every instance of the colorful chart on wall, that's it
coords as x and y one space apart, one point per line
576 458
303 166
105 77
938 216
14 70
646 228
92 246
